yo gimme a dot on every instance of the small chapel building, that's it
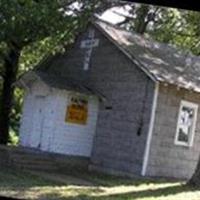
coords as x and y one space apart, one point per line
126 103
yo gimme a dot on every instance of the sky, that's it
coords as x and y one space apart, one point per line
112 16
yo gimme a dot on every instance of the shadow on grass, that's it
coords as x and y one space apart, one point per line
18 178
156 193
13 178
20 182
100 179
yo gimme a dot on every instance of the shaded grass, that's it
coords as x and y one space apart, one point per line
28 186
111 181
15 178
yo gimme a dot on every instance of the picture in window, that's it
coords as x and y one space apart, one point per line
186 123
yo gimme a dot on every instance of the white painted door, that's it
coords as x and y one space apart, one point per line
49 123
37 123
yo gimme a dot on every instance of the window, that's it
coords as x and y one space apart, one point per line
186 123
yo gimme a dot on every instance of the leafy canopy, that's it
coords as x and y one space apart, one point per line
38 28
27 21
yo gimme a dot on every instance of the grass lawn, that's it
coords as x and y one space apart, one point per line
90 186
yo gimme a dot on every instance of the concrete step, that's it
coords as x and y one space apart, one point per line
30 158
35 167
30 162
27 154
33 159
28 151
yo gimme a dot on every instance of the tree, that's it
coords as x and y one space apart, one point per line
168 25
23 24
195 179
141 20
139 17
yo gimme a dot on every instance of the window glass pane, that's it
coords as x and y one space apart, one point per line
185 124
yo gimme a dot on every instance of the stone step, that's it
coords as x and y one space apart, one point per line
32 161
30 158
23 150
35 167
31 153
35 162
44 155
38 162
28 151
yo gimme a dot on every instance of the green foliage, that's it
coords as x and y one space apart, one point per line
38 28
13 138
168 25
179 27
16 111
26 21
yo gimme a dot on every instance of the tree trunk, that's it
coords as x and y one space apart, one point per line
10 74
141 20
195 179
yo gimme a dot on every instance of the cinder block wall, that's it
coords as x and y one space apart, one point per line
129 92
167 159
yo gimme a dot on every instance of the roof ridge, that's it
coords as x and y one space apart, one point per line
148 38
160 61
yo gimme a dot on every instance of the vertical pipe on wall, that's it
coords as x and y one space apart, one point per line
150 132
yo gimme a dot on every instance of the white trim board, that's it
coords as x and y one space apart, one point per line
150 132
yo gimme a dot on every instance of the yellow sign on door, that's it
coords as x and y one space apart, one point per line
77 111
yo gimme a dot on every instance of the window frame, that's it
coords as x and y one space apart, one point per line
191 136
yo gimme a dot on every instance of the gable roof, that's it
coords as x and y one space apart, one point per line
52 80
162 62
